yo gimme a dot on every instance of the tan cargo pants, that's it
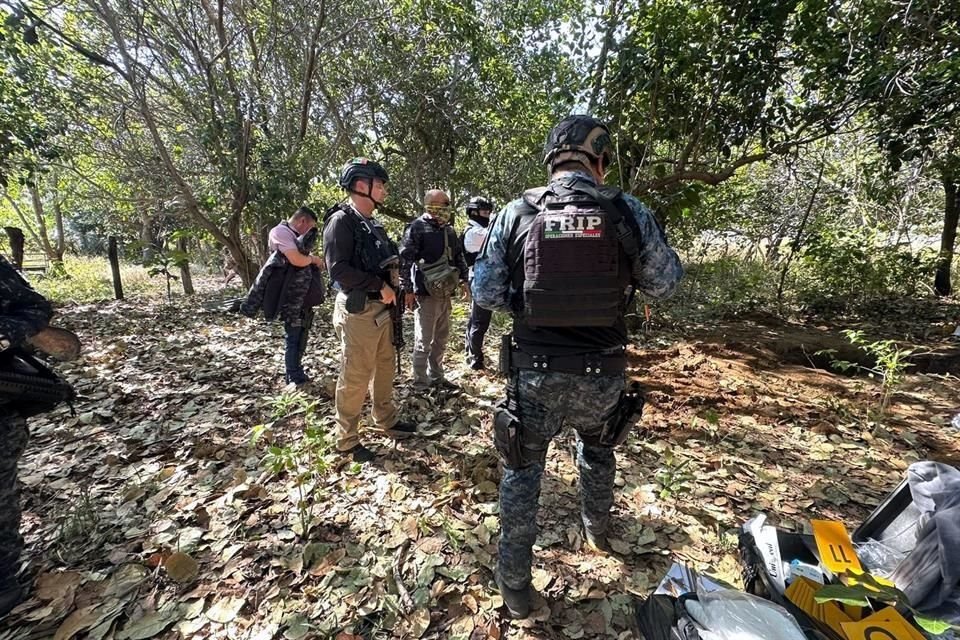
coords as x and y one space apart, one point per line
367 363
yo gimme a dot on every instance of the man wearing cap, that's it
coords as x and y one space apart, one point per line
479 210
362 261
432 265
563 260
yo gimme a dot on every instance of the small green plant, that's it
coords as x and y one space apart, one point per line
673 477
454 536
891 363
77 531
162 261
711 424
290 403
304 460
425 527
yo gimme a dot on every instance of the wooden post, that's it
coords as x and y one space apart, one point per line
115 267
185 278
16 245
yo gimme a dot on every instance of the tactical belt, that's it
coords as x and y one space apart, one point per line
592 364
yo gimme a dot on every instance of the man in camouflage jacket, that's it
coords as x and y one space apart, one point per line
563 374
23 314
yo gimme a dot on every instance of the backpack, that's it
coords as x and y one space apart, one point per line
578 253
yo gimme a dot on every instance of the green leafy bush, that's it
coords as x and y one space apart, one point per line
728 286
845 268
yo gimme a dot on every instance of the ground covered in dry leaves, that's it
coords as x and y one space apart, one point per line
191 496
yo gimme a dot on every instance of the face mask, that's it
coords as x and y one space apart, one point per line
440 212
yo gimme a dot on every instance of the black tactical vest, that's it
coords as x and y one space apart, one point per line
371 244
574 270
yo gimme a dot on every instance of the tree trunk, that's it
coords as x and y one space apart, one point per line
263 242
147 239
38 213
114 257
795 247
16 245
951 213
185 278
599 71
61 246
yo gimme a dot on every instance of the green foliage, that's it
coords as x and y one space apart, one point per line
891 362
88 280
160 262
847 267
673 477
460 96
303 460
725 287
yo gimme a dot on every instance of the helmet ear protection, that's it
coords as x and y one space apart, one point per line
578 138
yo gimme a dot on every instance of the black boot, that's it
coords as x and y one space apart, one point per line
517 601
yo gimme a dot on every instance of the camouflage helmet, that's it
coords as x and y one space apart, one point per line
361 168
479 203
575 137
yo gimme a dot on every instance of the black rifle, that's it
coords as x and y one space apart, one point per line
28 386
390 270
396 316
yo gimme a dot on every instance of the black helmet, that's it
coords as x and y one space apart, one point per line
479 203
575 137
361 168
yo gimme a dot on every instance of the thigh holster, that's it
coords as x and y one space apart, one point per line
518 447
619 421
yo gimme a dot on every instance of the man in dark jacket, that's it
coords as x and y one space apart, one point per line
359 256
432 265
24 315
283 284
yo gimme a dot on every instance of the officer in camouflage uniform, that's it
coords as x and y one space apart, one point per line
561 261
24 315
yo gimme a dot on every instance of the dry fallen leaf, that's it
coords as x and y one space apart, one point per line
225 609
78 621
418 622
57 586
181 567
